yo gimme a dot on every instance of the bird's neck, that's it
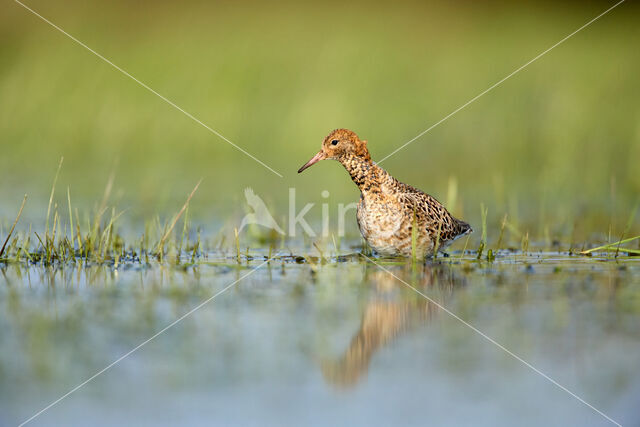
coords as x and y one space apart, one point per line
364 172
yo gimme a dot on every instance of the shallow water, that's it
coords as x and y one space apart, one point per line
340 342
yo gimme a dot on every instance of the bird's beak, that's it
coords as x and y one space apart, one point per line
314 159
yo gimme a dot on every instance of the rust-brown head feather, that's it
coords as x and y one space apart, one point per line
339 144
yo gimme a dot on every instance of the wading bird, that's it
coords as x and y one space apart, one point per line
389 209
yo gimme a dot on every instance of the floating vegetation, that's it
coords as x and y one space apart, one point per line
614 247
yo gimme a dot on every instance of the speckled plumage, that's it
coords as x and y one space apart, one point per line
388 208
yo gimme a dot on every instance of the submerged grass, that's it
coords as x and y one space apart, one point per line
614 247
96 240
99 242
483 239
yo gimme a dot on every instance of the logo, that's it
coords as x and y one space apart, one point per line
260 215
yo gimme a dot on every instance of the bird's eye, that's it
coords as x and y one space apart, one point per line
334 142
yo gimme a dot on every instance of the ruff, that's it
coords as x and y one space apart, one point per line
389 209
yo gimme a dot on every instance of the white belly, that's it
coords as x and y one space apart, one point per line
383 228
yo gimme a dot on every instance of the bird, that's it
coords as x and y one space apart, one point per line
388 210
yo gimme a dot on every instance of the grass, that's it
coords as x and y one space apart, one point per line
277 96
614 247
98 243
414 237
97 239
165 236
13 226
483 240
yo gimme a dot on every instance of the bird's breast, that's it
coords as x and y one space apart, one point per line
382 225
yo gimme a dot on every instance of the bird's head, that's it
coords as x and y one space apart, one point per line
339 144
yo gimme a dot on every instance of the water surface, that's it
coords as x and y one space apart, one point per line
299 341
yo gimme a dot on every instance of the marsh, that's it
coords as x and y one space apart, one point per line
129 293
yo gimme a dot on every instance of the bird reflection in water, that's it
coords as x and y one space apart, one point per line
387 317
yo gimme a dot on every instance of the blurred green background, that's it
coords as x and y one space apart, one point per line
555 146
